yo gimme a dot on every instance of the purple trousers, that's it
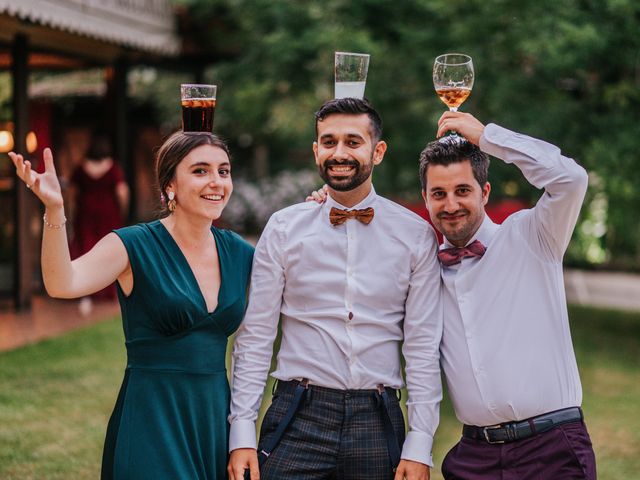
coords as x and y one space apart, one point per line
563 453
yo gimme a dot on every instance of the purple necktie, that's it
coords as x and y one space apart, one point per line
451 256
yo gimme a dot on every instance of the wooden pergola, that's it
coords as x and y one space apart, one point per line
68 35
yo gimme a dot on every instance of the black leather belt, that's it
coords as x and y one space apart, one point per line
513 431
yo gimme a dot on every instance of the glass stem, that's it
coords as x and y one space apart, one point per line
452 133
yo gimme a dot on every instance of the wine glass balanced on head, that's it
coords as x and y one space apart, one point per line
453 78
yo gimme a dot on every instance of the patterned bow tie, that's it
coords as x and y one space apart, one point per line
451 256
338 217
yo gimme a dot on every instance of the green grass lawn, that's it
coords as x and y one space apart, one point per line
56 397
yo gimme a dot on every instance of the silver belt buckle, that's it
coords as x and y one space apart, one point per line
486 435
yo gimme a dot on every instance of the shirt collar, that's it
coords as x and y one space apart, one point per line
366 202
485 233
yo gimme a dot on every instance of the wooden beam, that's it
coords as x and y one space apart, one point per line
46 61
121 129
23 246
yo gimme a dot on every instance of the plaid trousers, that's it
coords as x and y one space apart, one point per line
335 434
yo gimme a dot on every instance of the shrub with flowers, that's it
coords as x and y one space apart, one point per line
252 203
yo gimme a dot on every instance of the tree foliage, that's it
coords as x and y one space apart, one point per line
567 71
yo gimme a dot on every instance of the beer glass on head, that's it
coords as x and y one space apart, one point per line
198 107
350 74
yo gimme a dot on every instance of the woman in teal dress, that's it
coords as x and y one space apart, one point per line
182 287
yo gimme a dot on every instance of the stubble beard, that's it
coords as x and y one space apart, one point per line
462 232
344 184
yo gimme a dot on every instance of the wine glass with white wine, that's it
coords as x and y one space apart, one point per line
453 78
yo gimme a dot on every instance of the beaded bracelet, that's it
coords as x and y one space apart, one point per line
51 225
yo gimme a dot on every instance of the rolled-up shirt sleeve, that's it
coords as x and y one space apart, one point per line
253 345
422 335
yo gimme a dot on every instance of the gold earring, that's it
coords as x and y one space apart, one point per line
171 204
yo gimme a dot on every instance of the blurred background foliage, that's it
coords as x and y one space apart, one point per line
567 71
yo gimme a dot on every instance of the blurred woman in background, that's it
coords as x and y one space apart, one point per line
100 202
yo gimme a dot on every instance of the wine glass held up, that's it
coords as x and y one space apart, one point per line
453 78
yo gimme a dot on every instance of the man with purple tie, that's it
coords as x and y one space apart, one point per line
506 346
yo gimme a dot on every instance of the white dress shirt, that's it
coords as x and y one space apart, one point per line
506 346
350 296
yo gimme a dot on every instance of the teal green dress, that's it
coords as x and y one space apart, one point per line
170 418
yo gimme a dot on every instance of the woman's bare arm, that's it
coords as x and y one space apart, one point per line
98 268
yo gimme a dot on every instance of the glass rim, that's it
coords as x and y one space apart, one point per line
468 57
197 85
353 54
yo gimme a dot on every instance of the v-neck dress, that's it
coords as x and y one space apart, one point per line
170 418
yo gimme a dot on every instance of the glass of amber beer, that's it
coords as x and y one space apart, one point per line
198 107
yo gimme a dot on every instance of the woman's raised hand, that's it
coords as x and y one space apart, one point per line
45 185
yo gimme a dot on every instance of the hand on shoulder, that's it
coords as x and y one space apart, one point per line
318 196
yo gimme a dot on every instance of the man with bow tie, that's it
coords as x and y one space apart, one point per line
354 280
506 346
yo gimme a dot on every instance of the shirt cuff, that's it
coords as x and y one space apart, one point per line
494 139
242 434
417 448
